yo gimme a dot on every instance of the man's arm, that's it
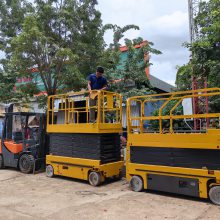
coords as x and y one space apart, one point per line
89 86
105 85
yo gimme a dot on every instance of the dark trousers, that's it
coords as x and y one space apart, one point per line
93 107
93 104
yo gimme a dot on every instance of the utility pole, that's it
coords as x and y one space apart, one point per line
200 104
193 8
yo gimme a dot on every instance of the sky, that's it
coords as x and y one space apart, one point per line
163 22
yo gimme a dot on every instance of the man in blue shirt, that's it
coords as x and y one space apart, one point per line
96 81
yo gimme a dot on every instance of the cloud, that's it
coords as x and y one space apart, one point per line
123 12
164 71
175 24
168 32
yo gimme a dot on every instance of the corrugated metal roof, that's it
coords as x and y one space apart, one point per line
160 84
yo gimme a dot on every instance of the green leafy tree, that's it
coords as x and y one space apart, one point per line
205 62
128 76
110 57
62 39
7 82
206 50
184 77
8 91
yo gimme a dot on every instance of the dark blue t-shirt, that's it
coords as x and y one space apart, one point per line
97 83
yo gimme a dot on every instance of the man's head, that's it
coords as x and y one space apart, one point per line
99 71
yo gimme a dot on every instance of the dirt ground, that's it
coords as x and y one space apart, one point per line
38 197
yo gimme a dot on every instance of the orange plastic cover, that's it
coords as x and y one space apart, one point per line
12 147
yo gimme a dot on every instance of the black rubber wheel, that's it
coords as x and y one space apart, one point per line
1 162
94 178
49 171
214 195
136 184
26 163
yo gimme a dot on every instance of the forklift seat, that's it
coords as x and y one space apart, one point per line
17 136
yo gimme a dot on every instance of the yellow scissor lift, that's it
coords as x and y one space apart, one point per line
78 148
166 152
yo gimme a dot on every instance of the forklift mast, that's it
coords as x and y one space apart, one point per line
8 109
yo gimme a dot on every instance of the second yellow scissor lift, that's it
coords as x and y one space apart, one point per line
166 152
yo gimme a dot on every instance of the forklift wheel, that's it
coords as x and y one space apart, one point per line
94 178
214 195
1 162
49 171
26 163
136 184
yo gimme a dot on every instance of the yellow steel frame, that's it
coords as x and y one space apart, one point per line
106 102
80 168
208 140
167 97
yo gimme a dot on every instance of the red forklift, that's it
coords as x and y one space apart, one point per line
23 141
